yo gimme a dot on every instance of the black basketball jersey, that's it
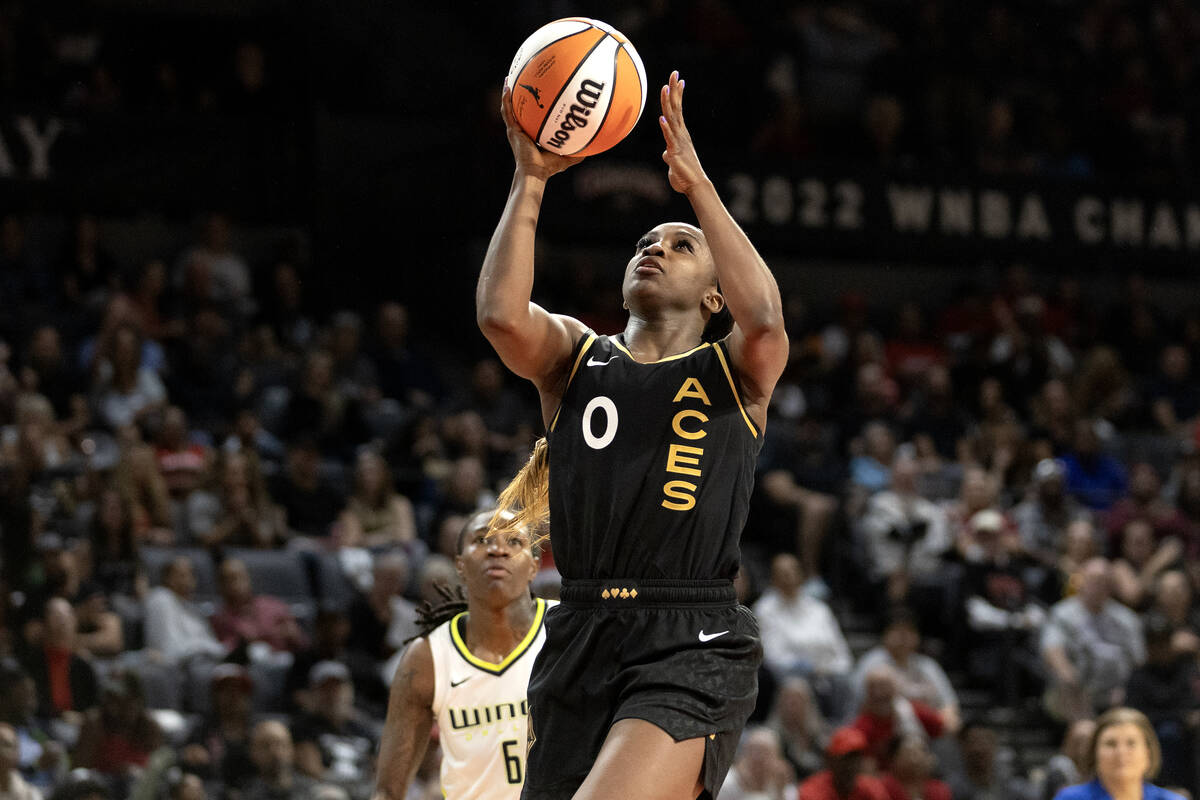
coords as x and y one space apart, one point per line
651 465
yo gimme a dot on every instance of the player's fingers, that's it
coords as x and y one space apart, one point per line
506 106
668 134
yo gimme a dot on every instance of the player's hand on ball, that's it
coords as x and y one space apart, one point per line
530 158
683 165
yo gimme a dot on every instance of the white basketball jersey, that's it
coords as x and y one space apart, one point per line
481 711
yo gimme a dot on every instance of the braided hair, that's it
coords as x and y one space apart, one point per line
430 615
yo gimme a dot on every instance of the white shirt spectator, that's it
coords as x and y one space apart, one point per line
904 530
177 629
799 633
921 678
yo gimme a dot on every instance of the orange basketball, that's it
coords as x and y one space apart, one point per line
578 86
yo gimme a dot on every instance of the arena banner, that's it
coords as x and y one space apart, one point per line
879 215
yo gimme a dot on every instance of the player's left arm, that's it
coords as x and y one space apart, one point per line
409 720
758 344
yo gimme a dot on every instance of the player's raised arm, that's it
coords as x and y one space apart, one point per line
758 344
532 342
409 720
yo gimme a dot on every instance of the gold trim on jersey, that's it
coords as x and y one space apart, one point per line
737 397
518 651
582 351
622 348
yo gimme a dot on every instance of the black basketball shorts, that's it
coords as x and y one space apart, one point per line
681 655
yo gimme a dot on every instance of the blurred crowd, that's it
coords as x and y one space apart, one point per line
935 84
220 509
221 499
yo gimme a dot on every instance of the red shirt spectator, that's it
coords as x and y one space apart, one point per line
886 714
246 617
844 778
910 777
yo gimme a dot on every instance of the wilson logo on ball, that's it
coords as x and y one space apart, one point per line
577 114
578 85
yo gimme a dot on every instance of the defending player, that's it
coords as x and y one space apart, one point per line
469 671
648 671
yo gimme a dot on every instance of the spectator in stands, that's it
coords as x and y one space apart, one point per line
118 736
1080 546
248 517
316 407
1140 561
376 515
1167 690
47 371
331 632
125 390
310 503
870 470
220 747
759 771
801 636
188 786
1174 601
381 619
1090 645
114 546
1070 764
41 759
1174 396
353 373
906 538
148 294
911 773
246 617
276 775
1145 501
848 772
182 462
886 714
332 744
12 784
1043 516
1094 477
803 512
137 477
979 491
230 275
987 770
89 272
66 684
797 721
464 489
937 416
404 374
920 677
174 627
1000 609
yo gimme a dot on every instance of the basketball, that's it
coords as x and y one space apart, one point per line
578 86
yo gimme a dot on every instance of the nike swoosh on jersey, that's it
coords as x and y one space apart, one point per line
460 683
592 362
708 637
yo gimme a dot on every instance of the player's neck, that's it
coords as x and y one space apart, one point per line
655 337
495 631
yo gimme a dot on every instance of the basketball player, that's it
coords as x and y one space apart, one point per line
648 672
468 671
